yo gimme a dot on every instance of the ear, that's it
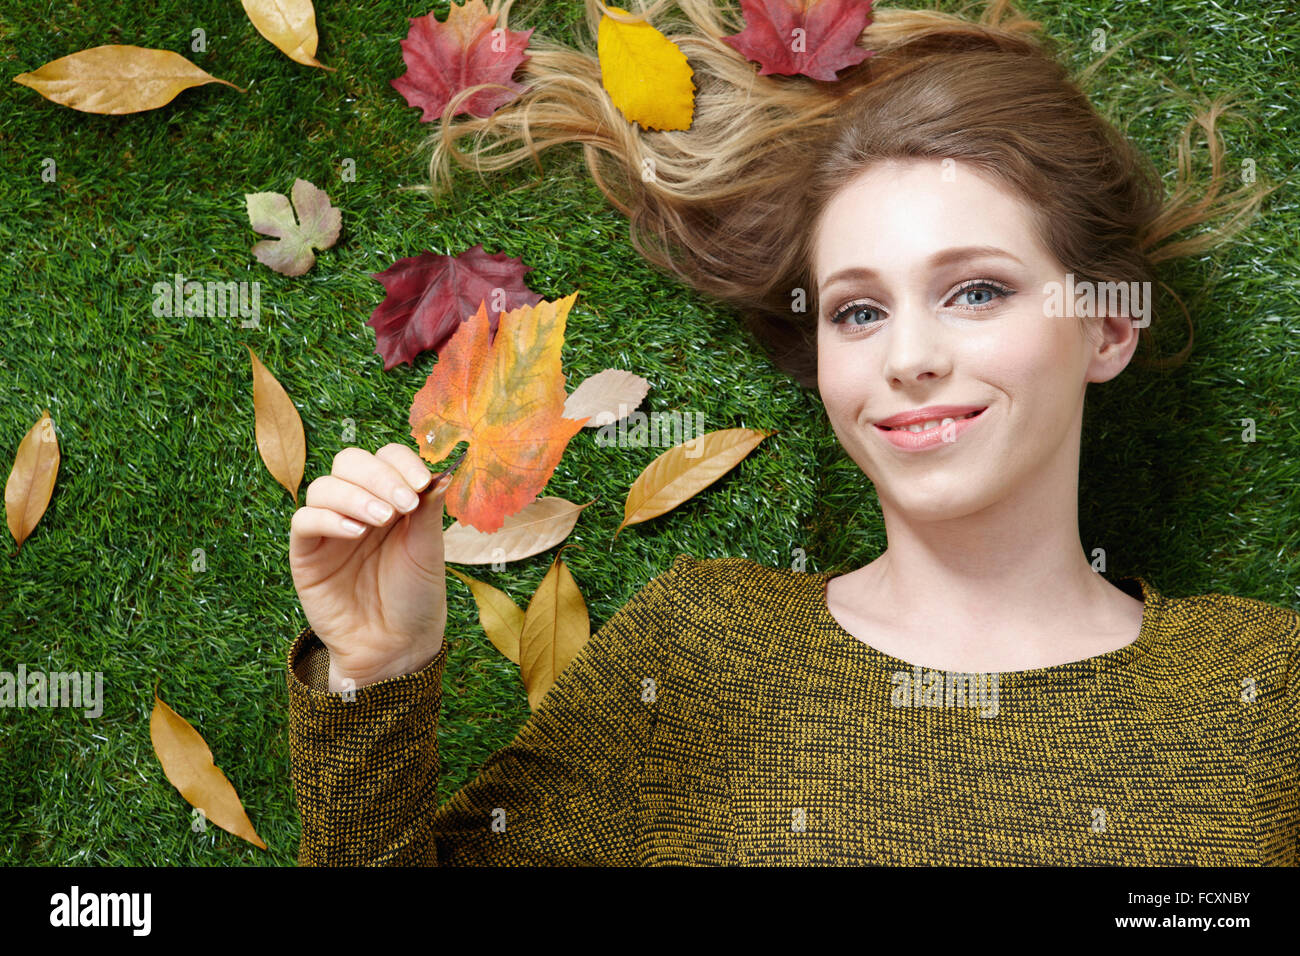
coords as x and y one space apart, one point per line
1113 339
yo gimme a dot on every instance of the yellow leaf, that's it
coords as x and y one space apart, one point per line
31 480
538 526
501 618
645 74
116 79
556 626
290 25
686 470
187 762
280 439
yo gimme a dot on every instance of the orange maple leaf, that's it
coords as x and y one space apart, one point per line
506 398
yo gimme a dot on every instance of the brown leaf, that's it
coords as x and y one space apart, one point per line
606 397
187 762
290 25
556 626
540 525
686 470
31 480
280 439
116 79
501 618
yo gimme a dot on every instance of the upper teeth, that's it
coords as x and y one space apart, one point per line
932 423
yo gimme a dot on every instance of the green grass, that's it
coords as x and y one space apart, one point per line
155 422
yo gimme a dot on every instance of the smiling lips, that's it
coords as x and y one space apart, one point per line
928 426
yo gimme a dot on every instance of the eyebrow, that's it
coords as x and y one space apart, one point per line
942 258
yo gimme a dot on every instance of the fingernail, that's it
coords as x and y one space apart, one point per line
381 511
406 499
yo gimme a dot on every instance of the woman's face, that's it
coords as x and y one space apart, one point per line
947 307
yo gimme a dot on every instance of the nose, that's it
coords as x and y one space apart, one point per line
916 346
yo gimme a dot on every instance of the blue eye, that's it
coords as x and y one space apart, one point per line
994 290
853 308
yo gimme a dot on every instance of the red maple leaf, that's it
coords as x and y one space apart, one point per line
444 58
827 43
429 296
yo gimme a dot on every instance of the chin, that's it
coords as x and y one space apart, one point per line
929 511
940 501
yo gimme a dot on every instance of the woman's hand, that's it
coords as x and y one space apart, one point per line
372 586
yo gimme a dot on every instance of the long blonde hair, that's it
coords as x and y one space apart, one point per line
732 204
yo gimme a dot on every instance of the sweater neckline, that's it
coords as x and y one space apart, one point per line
1153 608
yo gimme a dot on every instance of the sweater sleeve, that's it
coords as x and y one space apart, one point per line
564 791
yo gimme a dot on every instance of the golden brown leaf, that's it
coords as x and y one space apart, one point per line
187 762
685 470
280 438
540 525
290 25
116 79
31 480
556 626
606 397
501 618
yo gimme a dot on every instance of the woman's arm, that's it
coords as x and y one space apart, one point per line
364 761
564 791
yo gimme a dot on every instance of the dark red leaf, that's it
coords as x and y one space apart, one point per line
444 58
429 296
828 43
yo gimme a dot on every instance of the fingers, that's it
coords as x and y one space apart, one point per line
365 487
408 462
363 490
309 525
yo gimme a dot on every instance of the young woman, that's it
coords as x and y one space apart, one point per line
975 694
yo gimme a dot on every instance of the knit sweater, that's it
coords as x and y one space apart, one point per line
724 716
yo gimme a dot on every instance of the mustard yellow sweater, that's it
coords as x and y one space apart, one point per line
723 716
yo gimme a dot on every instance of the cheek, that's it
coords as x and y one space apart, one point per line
1035 362
840 379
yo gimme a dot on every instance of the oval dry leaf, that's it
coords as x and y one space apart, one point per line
539 525
31 480
606 397
501 618
187 761
685 470
116 79
556 626
280 439
645 74
290 25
